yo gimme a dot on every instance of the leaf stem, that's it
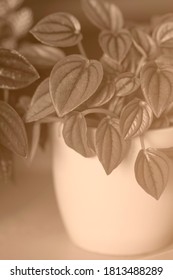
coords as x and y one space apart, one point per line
142 142
81 49
99 110
6 95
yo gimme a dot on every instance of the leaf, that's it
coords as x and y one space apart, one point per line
168 152
162 122
41 104
40 55
5 164
58 30
110 66
15 71
103 14
152 171
104 93
157 86
126 83
109 144
36 129
132 60
116 105
115 45
163 33
12 130
135 119
75 134
74 80
144 42
21 21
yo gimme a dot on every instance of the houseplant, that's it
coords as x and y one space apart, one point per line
119 110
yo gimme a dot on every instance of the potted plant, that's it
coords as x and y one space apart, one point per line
111 132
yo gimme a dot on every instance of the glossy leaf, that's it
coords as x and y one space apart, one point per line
74 80
75 134
109 144
152 171
40 55
103 14
41 104
115 45
6 161
15 71
163 33
126 84
157 86
135 119
58 30
12 130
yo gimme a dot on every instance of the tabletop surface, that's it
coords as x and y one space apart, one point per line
30 224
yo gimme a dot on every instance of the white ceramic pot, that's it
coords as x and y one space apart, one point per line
111 214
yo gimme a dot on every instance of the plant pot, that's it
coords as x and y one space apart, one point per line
111 214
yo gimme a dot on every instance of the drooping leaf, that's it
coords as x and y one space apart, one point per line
74 80
104 93
41 104
115 45
6 161
58 30
163 33
152 171
132 60
126 83
75 134
12 130
157 86
41 56
103 14
110 145
15 71
116 105
135 119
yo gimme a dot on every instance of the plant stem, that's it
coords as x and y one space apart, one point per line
142 142
81 49
99 110
6 95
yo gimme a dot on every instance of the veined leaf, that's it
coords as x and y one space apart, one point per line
152 171
163 33
157 86
74 80
6 161
115 45
116 105
58 30
109 144
40 55
15 71
12 130
132 60
104 93
103 14
110 66
126 84
41 104
135 119
75 134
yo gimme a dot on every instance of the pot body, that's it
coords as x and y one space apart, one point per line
111 214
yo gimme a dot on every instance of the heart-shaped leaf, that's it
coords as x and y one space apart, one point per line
135 119
75 134
163 33
58 30
157 86
103 14
152 171
41 104
115 45
74 80
126 83
12 130
104 93
5 164
110 146
15 71
40 55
